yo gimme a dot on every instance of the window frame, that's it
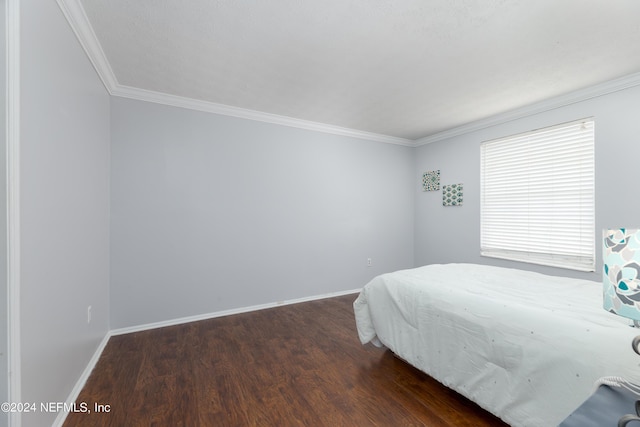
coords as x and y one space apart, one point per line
528 209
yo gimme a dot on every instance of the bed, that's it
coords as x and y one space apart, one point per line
525 346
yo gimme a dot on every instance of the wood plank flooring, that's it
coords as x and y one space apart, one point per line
295 365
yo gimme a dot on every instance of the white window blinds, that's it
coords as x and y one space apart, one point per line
537 197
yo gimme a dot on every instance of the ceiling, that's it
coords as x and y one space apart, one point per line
400 69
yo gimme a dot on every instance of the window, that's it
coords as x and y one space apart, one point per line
537 197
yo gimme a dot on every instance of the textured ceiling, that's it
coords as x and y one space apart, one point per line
404 68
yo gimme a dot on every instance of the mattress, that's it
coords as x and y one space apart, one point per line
525 346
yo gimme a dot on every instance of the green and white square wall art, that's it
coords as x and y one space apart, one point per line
452 195
431 181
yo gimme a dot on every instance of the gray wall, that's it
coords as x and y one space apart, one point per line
210 213
452 234
64 211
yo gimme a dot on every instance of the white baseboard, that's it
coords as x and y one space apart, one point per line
62 415
179 321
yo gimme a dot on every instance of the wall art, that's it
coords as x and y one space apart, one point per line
452 195
431 181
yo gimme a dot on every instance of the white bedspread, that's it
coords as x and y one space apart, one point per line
525 346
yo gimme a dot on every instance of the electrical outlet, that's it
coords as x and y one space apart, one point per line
88 314
368 262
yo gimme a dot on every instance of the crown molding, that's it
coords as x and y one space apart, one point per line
243 113
77 18
580 95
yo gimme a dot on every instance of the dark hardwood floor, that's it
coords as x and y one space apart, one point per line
295 365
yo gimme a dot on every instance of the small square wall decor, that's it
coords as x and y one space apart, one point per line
452 195
431 181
